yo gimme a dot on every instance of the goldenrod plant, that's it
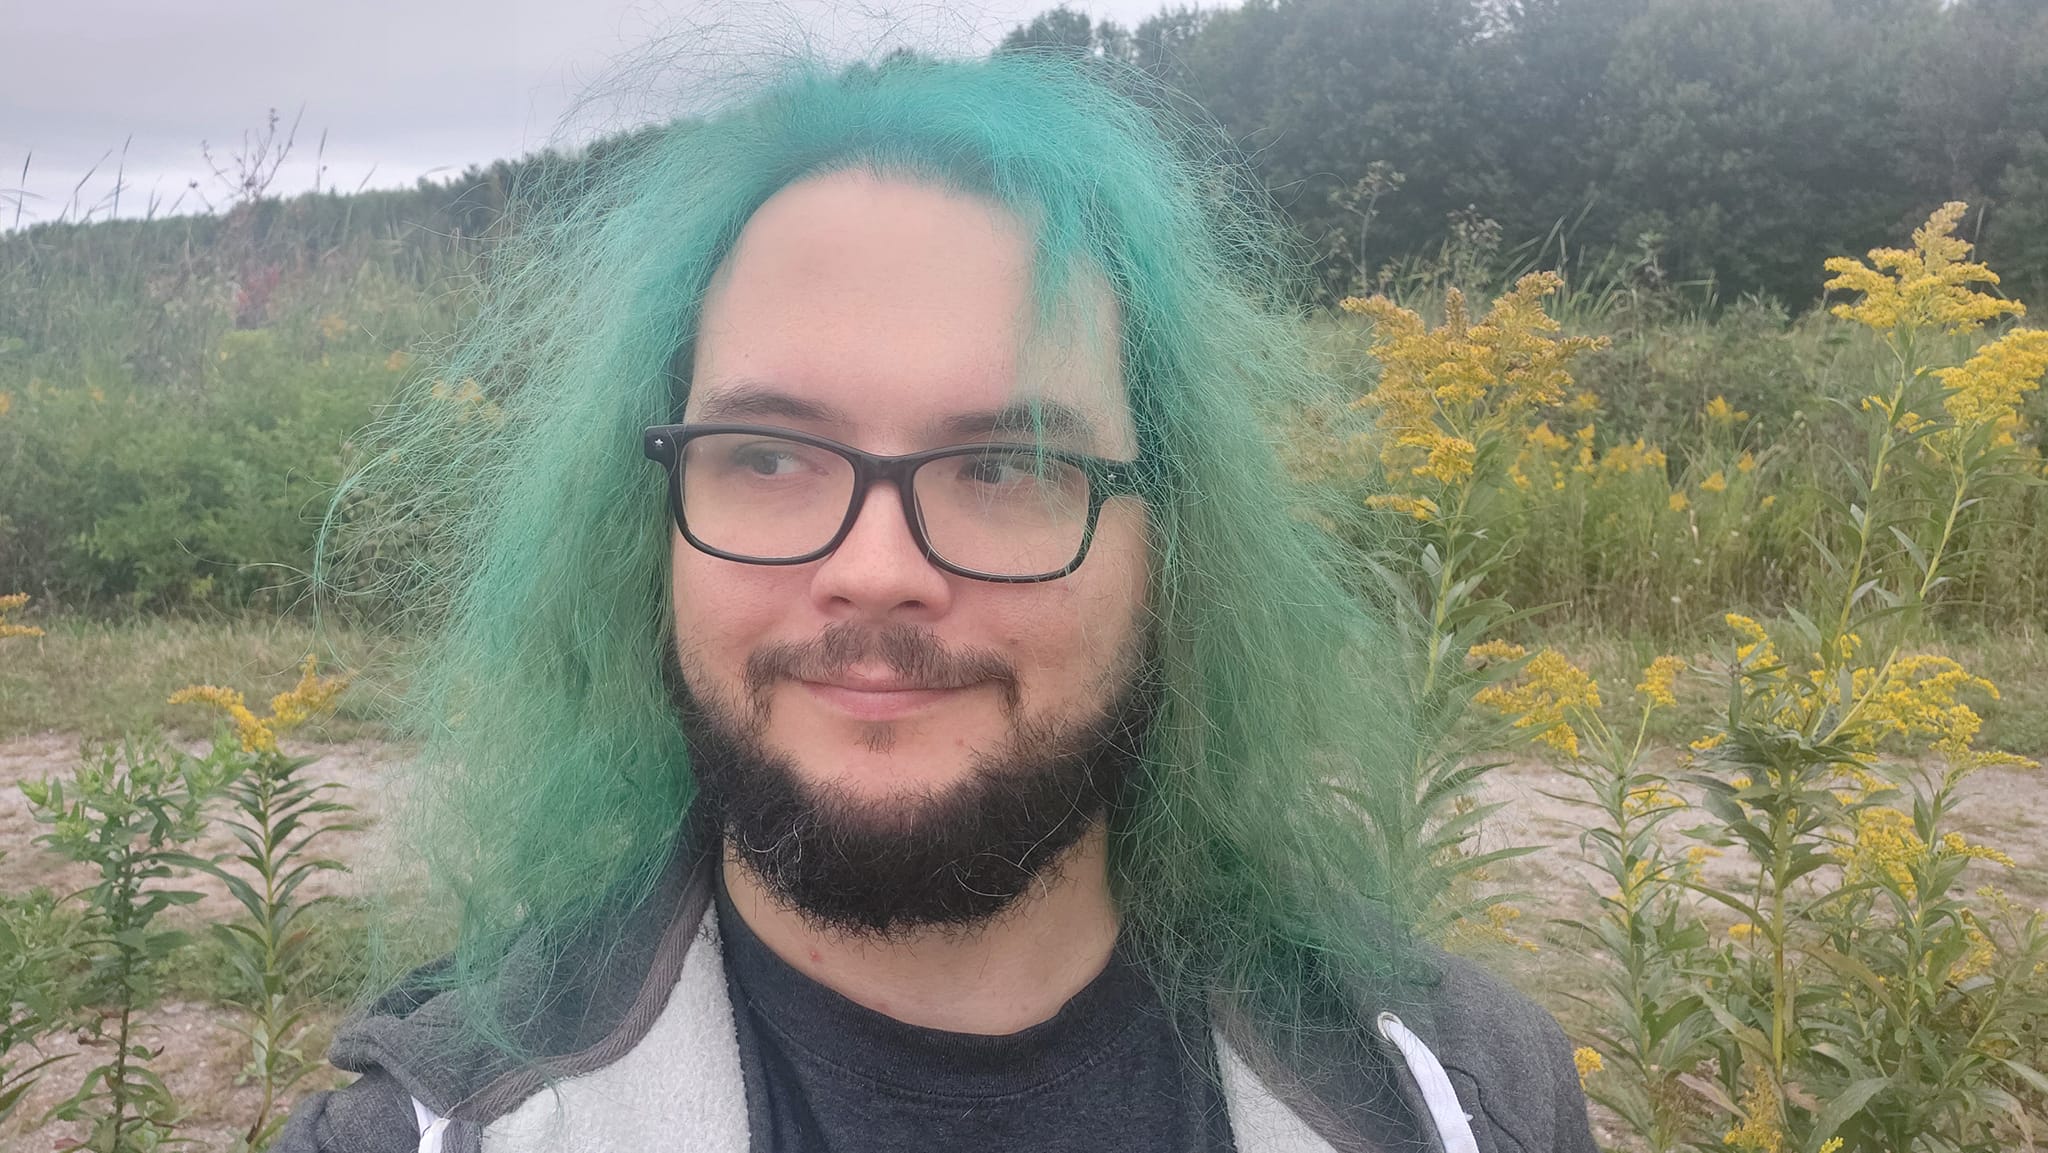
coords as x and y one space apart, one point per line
1653 1025
1872 1002
38 996
127 812
278 815
36 939
1844 980
1451 409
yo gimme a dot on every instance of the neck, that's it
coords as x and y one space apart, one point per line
1004 975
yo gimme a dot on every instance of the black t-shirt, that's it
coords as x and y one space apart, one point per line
825 1075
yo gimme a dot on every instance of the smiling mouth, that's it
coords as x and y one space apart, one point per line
878 700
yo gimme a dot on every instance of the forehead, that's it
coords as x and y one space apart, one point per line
896 314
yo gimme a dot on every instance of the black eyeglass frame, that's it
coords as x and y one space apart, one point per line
663 444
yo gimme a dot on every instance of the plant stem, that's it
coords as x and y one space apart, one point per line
118 1086
1440 606
1884 448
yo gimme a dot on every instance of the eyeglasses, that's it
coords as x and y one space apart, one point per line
1013 513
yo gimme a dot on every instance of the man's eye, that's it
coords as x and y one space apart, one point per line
766 460
1000 468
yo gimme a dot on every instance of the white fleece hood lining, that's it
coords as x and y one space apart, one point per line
634 1102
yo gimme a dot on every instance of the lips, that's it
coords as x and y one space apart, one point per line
877 683
878 697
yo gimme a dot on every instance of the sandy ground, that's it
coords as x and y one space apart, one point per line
202 1053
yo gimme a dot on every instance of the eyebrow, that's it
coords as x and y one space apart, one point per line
747 399
1049 418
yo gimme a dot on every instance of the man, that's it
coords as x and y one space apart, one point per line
953 739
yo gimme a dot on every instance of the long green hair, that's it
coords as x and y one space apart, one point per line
507 505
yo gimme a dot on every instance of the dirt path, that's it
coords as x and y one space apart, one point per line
201 1052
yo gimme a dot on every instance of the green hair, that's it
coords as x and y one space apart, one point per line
521 524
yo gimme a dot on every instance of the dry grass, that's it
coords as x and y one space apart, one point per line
106 678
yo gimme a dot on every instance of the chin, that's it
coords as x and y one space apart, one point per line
879 762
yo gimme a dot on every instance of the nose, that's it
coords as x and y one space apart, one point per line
878 573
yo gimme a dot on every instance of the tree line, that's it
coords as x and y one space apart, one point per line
1737 141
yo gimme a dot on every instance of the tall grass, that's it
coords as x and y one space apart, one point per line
103 678
178 396
1614 556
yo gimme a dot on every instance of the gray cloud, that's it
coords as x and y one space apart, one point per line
402 88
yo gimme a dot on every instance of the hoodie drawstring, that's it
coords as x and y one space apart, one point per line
1453 1124
431 1127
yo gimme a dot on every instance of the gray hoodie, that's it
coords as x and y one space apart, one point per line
638 1051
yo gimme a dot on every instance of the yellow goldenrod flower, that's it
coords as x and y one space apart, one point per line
1494 928
1677 502
1650 799
1625 459
1708 742
333 326
255 735
1990 385
1450 457
1768 500
1745 463
1491 652
1954 845
1763 1121
1917 700
1444 392
1885 844
1587 1061
1982 955
1419 507
9 604
1717 482
1720 412
1925 287
311 696
1542 437
1759 646
1742 931
1658 680
1542 697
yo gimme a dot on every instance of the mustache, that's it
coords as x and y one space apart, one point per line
906 650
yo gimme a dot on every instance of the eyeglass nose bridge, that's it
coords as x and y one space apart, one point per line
870 470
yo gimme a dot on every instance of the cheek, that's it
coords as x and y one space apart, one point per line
723 612
1070 632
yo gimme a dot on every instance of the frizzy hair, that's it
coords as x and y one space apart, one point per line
520 525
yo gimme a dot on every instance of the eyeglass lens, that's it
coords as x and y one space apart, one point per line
999 509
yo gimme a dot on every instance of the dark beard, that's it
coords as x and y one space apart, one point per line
950 858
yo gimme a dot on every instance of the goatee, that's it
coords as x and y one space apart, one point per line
950 857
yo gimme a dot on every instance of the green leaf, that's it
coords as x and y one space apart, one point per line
2032 1076
1840 1108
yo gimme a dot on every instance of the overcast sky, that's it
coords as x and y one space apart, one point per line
401 88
